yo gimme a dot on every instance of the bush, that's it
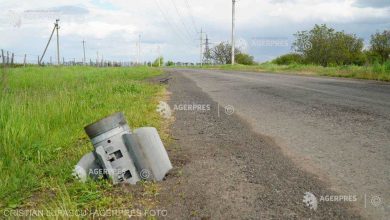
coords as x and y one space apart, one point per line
359 59
288 59
323 45
380 45
387 66
158 62
244 59
377 68
170 63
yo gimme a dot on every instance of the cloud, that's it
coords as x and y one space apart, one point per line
71 10
372 3
112 27
96 29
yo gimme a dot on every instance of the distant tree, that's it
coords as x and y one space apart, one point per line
289 58
245 59
325 46
380 45
222 53
159 61
170 63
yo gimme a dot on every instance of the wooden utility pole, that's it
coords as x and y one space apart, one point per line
58 42
84 60
139 50
48 42
159 56
97 58
2 55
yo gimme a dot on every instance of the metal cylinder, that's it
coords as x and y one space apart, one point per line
121 155
104 125
110 149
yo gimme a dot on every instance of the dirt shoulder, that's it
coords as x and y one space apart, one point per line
223 170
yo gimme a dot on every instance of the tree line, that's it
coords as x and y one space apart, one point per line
325 46
321 45
222 54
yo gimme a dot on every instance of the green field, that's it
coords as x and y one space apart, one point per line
42 114
372 72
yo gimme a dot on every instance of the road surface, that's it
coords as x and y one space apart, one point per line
336 129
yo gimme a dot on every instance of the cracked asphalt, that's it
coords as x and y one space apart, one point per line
288 135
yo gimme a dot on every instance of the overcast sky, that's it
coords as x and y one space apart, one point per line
265 28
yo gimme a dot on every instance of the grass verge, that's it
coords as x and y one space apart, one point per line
42 115
374 72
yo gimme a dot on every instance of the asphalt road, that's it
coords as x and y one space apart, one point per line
337 129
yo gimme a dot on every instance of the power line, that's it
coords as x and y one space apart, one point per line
191 15
181 18
173 26
201 47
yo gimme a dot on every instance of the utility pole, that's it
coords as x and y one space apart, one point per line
139 50
48 42
2 55
97 58
136 48
233 26
58 42
84 52
201 47
159 56
207 50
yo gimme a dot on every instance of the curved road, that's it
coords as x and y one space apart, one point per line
338 129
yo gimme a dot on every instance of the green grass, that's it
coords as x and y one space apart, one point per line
374 72
42 114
